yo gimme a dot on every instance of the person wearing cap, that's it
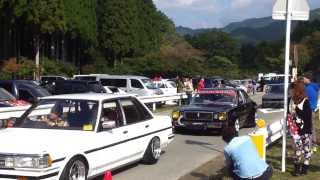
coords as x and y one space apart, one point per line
242 159
312 90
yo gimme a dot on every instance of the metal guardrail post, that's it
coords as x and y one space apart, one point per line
154 106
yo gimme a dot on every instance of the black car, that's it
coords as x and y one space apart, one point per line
24 90
77 86
216 109
274 96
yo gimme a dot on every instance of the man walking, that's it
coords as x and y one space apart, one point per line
312 91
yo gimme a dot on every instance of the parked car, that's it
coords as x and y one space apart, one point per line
167 87
24 90
274 96
48 82
139 85
216 109
81 136
77 86
8 100
239 85
114 90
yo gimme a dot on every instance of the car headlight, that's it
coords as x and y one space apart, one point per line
175 115
222 116
27 161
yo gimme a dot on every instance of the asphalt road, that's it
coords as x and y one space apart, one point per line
185 153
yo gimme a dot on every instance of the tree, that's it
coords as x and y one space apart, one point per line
41 16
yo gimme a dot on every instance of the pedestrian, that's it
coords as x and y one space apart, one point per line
200 85
242 158
312 90
180 85
301 114
188 89
254 84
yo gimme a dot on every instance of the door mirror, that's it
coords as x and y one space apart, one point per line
109 124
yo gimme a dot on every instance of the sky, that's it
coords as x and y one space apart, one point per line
216 13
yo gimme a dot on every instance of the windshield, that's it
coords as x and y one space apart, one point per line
149 84
61 114
215 97
5 95
277 89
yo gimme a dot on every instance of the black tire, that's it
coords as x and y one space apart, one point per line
152 154
66 171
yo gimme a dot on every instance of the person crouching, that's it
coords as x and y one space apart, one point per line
242 158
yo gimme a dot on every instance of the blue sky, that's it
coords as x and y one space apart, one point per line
216 13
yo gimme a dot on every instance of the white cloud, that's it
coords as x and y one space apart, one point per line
240 3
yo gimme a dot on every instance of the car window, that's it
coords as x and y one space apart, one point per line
112 112
79 88
136 84
7 86
114 82
61 114
134 112
26 96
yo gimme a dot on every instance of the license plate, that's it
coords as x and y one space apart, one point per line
217 125
197 124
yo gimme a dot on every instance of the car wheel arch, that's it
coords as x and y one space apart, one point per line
68 159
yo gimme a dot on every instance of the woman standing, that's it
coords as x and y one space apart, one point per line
301 113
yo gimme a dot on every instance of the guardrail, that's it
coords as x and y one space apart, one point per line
8 112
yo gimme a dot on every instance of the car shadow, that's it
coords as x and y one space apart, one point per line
204 145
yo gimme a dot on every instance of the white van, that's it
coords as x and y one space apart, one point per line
139 85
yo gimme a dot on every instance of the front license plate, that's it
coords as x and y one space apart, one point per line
217 125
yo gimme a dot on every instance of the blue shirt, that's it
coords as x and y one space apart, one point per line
312 90
242 154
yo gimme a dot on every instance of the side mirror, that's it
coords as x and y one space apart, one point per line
110 124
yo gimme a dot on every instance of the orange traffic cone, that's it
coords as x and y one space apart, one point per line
107 175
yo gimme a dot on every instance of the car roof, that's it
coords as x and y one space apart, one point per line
88 96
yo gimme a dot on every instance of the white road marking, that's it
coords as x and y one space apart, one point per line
270 110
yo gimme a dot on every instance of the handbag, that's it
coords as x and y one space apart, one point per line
292 126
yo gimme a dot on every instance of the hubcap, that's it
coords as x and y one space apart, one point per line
237 125
156 149
77 171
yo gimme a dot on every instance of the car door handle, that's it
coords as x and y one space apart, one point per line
147 126
125 132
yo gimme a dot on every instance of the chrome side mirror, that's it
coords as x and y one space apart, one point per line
108 124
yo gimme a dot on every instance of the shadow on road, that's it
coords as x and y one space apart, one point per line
203 144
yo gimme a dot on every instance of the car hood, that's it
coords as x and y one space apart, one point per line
207 107
58 143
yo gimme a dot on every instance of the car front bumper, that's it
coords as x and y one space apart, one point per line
194 125
30 174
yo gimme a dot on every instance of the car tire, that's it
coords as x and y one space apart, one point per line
76 169
152 154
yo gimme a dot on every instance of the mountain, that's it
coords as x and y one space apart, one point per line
255 29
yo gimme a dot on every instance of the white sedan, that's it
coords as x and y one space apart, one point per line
80 136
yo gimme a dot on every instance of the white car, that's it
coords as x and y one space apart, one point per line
167 87
80 136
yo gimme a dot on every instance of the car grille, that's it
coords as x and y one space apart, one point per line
198 116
